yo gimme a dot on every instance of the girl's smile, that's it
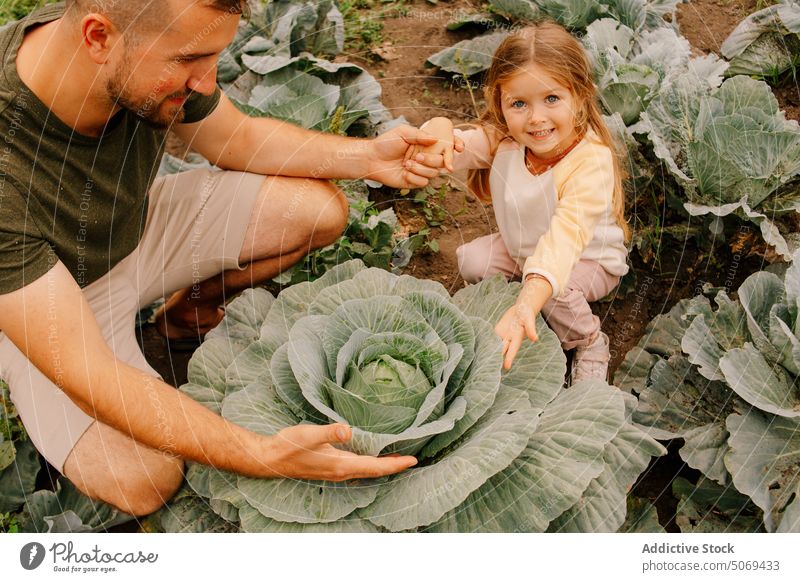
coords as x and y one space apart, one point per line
539 111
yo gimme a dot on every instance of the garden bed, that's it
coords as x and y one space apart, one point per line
674 268
675 260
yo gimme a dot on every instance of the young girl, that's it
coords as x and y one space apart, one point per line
544 157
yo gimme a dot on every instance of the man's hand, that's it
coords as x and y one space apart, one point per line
520 319
394 159
305 452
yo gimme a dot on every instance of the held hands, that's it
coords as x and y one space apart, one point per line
305 452
440 154
400 157
520 320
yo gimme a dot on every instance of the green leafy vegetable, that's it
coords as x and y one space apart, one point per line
630 67
67 510
472 56
766 43
726 381
19 460
415 371
730 148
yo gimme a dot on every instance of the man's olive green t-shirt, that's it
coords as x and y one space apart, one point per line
63 195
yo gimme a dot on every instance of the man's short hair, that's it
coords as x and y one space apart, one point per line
133 16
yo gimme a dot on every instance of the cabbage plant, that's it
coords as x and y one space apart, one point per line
67 510
413 371
725 379
729 146
472 56
766 43
284 28
630 67
19 460
331 97
578 14
277 66
708 507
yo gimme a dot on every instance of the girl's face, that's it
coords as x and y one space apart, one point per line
539 112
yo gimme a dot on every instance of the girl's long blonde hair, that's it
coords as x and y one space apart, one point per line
553 48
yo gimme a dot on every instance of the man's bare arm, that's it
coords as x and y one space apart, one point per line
50 321
233 141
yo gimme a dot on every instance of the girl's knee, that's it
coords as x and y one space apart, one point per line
471 266
571 318
570 303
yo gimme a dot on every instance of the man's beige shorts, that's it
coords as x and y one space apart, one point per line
195 229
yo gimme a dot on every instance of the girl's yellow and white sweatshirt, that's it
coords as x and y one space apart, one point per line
551 221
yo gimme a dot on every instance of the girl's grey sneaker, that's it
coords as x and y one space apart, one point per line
591 361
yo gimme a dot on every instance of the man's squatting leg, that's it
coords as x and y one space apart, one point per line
291 217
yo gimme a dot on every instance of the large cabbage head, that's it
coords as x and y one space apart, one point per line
629 67
414 371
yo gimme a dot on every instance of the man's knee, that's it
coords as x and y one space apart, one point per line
112 467
138 492
329 212
149 490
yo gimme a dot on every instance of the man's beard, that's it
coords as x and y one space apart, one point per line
147 109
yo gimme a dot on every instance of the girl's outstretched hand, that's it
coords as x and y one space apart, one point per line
519 321
439 154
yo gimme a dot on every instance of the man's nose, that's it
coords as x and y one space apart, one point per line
204 81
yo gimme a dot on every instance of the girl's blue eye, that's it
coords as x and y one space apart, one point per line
517 104
551 99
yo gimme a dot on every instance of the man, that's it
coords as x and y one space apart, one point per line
87 236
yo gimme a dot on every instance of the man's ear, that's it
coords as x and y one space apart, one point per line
99 36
